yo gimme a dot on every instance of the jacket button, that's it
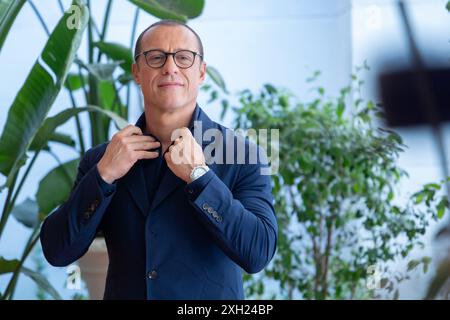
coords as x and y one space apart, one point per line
205 206
152 275
210 210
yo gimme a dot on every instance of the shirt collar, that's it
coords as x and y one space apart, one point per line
195 115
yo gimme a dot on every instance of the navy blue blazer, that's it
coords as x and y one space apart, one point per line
191 242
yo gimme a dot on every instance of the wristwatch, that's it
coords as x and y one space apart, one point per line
197 172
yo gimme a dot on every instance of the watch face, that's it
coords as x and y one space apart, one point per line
198 172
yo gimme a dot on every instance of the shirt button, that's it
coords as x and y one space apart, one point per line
152 275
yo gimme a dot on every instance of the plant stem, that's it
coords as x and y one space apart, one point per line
66 174
61 7
327 258
13 201
83 85
34 237
96 124
133 35
105 27
5 212
77 120
39 16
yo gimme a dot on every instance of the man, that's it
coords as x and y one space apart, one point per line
176 226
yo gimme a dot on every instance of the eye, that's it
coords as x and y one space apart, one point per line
155 57
184 56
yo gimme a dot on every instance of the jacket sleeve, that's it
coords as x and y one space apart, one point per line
67 233
241 221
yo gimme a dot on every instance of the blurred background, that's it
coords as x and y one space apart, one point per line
250 43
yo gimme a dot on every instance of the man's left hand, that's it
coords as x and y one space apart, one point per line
184 155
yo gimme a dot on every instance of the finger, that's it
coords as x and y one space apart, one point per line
130 130
177 140
167 158
137 138
145 145
147 154
180 132
185 132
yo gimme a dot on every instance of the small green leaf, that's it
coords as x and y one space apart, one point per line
412 265
340 109
102 71
26 213
225 106
7 266
442 205
216 77
75 82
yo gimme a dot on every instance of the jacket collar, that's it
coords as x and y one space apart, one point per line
134 180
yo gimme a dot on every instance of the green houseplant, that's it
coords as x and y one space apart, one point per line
103 77
338 208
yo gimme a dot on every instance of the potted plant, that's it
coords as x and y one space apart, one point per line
341 221
104 79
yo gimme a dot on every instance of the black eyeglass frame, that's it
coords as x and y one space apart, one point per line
166 54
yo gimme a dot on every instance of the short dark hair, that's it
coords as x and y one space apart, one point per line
167 22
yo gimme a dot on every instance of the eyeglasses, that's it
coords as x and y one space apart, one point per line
156 58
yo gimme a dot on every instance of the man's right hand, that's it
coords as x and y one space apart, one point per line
125 148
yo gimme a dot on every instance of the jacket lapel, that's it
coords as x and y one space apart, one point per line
134 181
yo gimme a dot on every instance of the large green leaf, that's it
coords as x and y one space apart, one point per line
118 53
42 282
8 13
27 213
180 10
46 131
217 78
39 91
7 266
54 137
55 187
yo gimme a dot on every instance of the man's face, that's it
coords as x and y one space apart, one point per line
169 87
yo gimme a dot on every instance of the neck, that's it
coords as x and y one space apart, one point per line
161 123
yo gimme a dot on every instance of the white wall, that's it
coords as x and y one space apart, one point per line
249 42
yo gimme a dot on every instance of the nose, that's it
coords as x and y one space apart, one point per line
170 67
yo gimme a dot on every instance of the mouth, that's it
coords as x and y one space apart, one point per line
170 85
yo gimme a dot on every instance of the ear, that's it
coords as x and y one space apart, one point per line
202 72
135 71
